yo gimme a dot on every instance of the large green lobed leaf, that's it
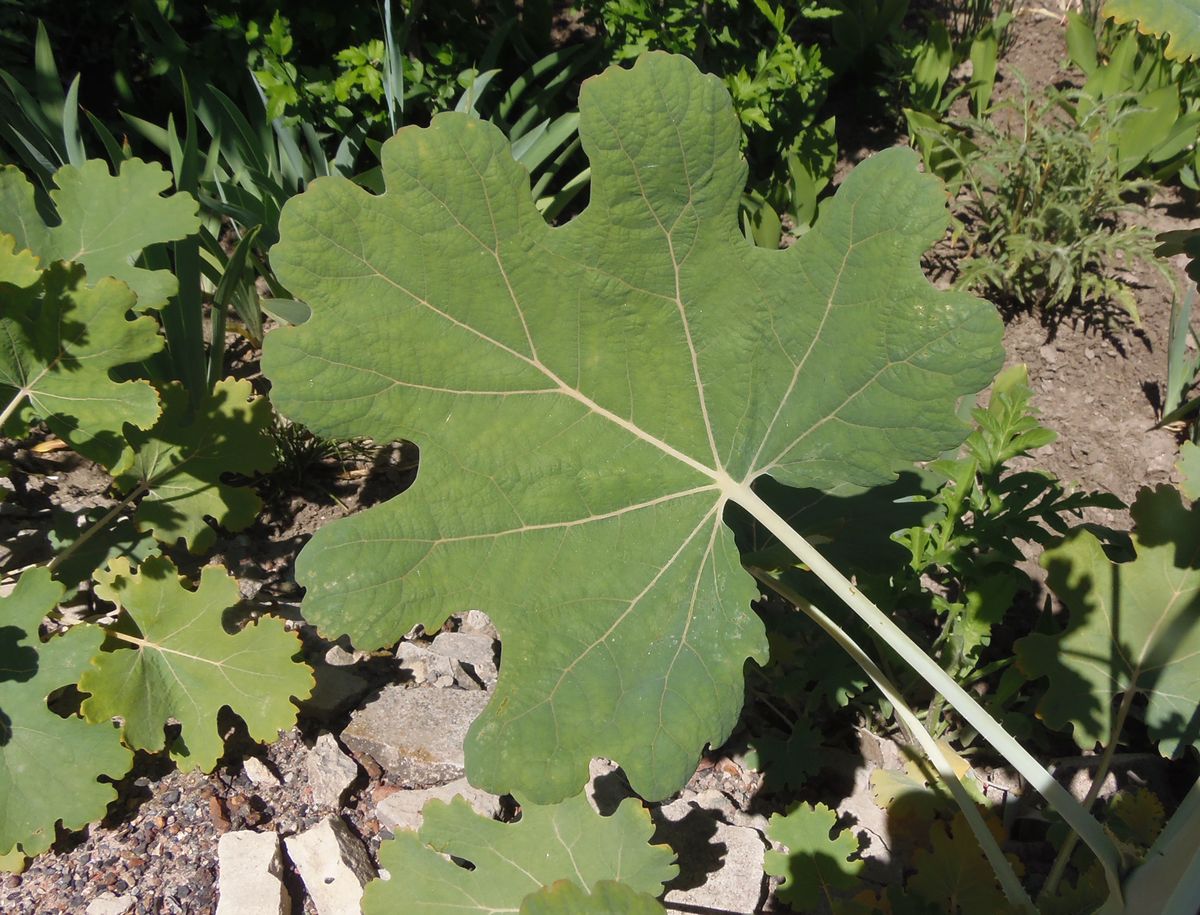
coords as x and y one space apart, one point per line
588 398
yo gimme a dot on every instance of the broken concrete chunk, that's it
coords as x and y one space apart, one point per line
330 771
416 735
402 810
721 866
477 621
258 773
333 865
475 654
425 666
250 875
108 904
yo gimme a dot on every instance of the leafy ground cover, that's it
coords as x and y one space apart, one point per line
814 720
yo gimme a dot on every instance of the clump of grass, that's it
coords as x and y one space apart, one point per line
1040 204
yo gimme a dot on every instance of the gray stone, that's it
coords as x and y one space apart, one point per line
333 865
257 771
424 665
108 904
416 735
721 866
474 654
477 621
403 810
329 771
250 875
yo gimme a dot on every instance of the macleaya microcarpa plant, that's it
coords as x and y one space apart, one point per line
590 400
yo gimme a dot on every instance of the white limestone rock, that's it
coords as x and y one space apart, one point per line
333 865
250 875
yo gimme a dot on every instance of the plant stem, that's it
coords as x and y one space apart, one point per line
1064 853
98 526
1013 890
1018 757
12 406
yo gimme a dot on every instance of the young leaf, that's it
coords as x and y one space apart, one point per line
179 662
48 764
953 873
568 841
17 267
589 398
815 868
63 337
105 221
1131 627
181 461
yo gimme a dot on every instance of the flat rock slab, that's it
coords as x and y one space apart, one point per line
334 866
330 771
250 875
416 735
475 655
403 810
721 866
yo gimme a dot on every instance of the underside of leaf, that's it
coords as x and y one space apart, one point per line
588 399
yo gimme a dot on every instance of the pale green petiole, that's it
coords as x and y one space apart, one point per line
1018 757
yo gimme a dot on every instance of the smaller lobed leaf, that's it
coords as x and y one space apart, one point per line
816 865
17 268
64 338
953 873
48 764
1131 627
182 462
512 862
105 221
178 662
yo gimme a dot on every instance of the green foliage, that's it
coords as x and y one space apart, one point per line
1183 365
1040 205
103 222
65 337
169 657
1189 468
1130 632
772 69
513 865
180 463
48 762
1178 20
814 866
952 875
1154 105
981 509
566 898
650 365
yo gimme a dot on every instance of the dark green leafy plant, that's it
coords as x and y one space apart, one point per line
599 448
1154 102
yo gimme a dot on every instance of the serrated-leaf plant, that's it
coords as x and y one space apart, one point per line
591 400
